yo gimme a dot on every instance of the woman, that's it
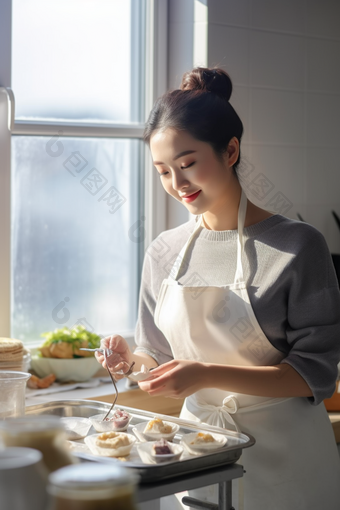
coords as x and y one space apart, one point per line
242 314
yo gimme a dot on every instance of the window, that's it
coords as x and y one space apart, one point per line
78 60
75 177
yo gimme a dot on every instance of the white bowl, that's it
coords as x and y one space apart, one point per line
109 452
154 436
147 455
220 441
76 427
66 370
106 426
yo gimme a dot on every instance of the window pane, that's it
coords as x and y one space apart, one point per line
76 234
77 60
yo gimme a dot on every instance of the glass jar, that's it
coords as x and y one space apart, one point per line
12 393
44 433
23 479
93 486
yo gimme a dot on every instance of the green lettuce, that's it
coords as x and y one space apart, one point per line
74 336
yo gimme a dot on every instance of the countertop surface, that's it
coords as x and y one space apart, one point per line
335 421
102 391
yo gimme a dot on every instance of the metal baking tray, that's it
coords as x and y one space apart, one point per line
151 472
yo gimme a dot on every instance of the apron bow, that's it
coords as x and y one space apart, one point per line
231 404
218 416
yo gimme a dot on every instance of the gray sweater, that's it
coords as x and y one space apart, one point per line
291 284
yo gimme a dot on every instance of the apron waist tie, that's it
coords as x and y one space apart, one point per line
221 416
218 416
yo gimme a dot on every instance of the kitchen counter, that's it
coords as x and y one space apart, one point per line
128 396
135 398
138 399
335 421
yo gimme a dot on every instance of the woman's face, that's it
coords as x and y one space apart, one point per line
190 167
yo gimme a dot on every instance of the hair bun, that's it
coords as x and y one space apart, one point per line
214 80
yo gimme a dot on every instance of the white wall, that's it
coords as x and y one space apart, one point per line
283 57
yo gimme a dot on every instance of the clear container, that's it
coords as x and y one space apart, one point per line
93 486
44 433
23 479
12 393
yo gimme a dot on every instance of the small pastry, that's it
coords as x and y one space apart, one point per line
161 447
203 438
35 382
119 419
158 426
112 440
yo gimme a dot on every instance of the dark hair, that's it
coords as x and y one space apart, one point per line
201 107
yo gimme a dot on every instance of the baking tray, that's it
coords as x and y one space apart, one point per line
150 472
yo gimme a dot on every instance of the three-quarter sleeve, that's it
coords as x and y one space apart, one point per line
313 319
148 338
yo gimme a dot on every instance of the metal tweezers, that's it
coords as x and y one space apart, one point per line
108 352
98 349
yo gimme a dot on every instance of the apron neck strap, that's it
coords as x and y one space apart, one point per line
242 209
240 241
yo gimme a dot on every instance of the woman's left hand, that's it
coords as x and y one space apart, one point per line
176 379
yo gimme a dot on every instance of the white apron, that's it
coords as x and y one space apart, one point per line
294 464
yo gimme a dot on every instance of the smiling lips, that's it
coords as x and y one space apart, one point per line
192 197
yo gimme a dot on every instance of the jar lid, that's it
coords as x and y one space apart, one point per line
90 475
18 457
31 424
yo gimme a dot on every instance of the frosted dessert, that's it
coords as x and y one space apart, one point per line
112 440
119 419
198 442
161 447
157 426
202 438
110 444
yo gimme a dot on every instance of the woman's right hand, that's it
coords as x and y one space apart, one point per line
121 358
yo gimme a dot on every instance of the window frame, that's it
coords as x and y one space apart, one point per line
152 196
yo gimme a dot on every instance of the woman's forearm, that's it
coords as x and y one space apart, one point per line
269 381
